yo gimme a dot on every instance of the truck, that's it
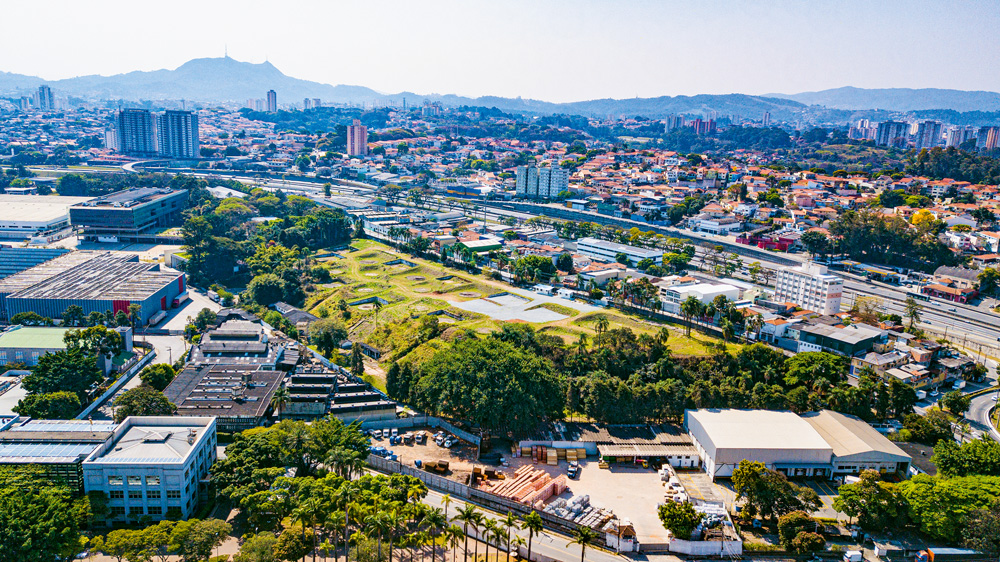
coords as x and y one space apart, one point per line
942 554
213 295
179 299
853 556
156 318
921 394
436 466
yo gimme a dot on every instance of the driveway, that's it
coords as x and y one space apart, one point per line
177 318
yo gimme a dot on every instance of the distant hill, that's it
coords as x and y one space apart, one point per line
219 80
898 99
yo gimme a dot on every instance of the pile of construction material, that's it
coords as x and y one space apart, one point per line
528 485
578 510
674 490
551 455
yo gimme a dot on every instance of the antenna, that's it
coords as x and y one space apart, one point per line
226 50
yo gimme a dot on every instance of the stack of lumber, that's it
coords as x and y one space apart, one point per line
528 485
552 458
553 487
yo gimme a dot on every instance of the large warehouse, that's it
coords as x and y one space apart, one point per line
97 281
24 216
820 444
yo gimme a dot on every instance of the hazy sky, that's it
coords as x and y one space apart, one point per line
553 50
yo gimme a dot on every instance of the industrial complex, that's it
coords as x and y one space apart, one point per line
28 216
133 215
96 281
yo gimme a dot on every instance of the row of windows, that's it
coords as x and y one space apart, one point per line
137 494
118 511
115 480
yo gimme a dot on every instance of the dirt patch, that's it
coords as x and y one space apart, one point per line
421 290
367 262
484 330
372 274
416 278
469 294
460 457
366 306
365 290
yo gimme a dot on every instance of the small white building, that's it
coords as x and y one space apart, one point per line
673 295
810 287
608 251
153 466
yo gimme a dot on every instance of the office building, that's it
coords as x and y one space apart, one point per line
177 134
891 133
238 342
272 101
357 139
672 296
155 467
928 134
96 281
132 214
820 444
541 183
43 99
810 287
238 395
133 132
55 447
604 250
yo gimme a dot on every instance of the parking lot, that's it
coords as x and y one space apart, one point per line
461 457
827 493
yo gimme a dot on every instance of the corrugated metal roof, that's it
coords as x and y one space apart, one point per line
848 435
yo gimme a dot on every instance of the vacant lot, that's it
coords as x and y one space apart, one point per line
461 457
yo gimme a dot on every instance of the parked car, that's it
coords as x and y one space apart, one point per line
377 433
395 432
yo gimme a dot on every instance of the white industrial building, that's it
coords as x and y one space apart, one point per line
608 251
153 466
673 295
819 444
26 216
810 287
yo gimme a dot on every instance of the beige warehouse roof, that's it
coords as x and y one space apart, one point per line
757 429
36 208
849 435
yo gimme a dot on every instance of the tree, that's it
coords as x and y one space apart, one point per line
266 289
690 308
755 270
876 505
490 383
768 493
73 315
95 340
956 402
50 406
815 242
143 401
435 522
258 548
124 544
195 539
37 524
988 281
565 263
583 536
534 524
157 376
326 334
980 456
292 545
940 506
679 518
913 309
806 542
357 361
70 370
791 524
982 530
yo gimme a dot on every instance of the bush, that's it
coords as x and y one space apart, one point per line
792 524
805 542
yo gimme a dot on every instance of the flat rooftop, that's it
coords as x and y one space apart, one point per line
89 276
153 440
130 197
757 429
618 248
223 390
36 208
33 337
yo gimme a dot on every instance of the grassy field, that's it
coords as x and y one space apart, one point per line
410 288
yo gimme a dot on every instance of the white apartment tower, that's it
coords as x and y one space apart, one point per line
928 134
810 287
541 183
357 139
272 101
134 133
177 134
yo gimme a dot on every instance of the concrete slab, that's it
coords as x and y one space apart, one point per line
522 305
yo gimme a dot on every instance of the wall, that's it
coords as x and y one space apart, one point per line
419 421
707 548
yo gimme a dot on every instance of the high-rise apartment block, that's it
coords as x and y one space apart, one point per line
928 134
134 133
272 101
810 287
988 138
43 99
177 134
541 183
766 121
891 133
357 139
673 122
957 135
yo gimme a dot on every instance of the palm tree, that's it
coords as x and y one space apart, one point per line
510 524
690 308
601 325
518 541
333 523
435 522
279 399
394 520
478 522
581 344
377 306
583 536
490 530
446 500
533 523
454 536
467 515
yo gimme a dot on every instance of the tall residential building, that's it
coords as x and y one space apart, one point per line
357 139
272 101
703 127
673 122
988 138
766 121
134 133
541 183
928 134
810 287
43 99
177 134
306 104
891 133
957 135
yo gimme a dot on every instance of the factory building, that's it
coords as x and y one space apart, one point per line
15 260
817 445
153 467
56 447
26 216
239 395
314 392
134 214
97 281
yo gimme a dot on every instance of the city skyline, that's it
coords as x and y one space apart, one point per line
557 51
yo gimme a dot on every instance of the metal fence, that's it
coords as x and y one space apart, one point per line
439 483
117 385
